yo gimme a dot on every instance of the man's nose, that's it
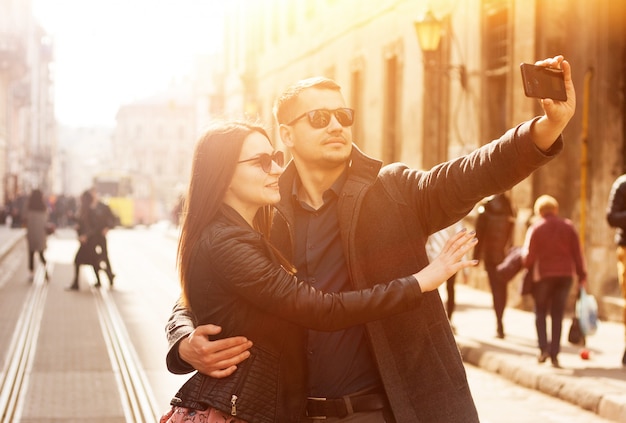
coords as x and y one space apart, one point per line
334 124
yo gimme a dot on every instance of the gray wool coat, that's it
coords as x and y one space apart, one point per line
36 229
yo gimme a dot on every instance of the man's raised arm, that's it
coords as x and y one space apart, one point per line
546 130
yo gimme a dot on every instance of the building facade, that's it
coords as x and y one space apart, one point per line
153 143
27 125
424 107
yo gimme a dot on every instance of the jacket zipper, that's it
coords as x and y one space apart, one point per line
233 405
237 390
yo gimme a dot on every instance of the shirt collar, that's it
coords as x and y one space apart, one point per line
335 188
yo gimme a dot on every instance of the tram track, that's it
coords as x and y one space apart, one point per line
22 349
135 393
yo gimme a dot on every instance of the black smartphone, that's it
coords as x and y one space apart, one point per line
542 82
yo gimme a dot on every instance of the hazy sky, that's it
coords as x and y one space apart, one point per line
109 52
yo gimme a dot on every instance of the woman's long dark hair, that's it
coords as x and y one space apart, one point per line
86 198
35 201
215 157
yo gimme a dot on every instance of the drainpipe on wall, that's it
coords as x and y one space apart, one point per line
584 163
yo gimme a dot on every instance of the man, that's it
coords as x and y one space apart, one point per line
616 216
104 219
347 222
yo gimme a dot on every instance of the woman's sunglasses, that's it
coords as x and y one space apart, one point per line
320 118
265 160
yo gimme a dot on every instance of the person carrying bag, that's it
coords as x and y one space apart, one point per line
587 312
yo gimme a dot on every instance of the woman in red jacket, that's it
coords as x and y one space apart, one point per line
552 254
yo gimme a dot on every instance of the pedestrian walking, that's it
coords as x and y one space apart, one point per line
103 221
17 209
87 253
494 230
616 217
552 254
36 226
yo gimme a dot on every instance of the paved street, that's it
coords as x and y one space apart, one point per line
73 370
499 400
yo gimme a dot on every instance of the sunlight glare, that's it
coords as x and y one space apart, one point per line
112 52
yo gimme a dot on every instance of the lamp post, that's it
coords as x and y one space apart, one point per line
428 31
431 36
435 94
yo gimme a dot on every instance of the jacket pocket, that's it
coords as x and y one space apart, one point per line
249 394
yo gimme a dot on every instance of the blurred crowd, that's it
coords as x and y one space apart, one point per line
62 210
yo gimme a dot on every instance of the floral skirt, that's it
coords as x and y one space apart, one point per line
188 415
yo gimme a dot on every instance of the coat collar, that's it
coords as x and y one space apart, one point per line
362 168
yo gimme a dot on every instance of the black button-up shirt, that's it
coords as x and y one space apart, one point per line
340 362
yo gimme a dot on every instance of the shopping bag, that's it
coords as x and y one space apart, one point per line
511 264
587 313
527 283
575 335
50 228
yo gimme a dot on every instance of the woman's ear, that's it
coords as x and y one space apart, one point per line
285 135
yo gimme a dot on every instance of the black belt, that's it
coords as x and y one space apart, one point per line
321 408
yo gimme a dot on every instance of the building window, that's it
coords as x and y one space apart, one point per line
497 47
497 28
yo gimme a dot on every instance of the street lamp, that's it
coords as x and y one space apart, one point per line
429 30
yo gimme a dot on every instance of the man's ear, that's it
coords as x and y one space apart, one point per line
285 135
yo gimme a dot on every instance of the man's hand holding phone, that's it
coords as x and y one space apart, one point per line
557 115
543 82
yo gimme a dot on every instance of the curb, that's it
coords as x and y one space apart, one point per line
10 238
586 393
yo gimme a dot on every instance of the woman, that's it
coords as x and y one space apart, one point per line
232 276
552 254
36 220
87 235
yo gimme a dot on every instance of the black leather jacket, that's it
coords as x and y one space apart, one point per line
616 211
235 282
494 230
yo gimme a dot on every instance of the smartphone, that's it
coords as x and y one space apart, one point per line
542 82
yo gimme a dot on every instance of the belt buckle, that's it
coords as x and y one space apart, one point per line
315 417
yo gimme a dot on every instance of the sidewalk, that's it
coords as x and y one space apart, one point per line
13 253
597 384
8 238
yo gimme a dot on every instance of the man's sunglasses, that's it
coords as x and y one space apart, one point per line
265 160
320 118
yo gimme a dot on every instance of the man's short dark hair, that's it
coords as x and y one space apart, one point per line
284 103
